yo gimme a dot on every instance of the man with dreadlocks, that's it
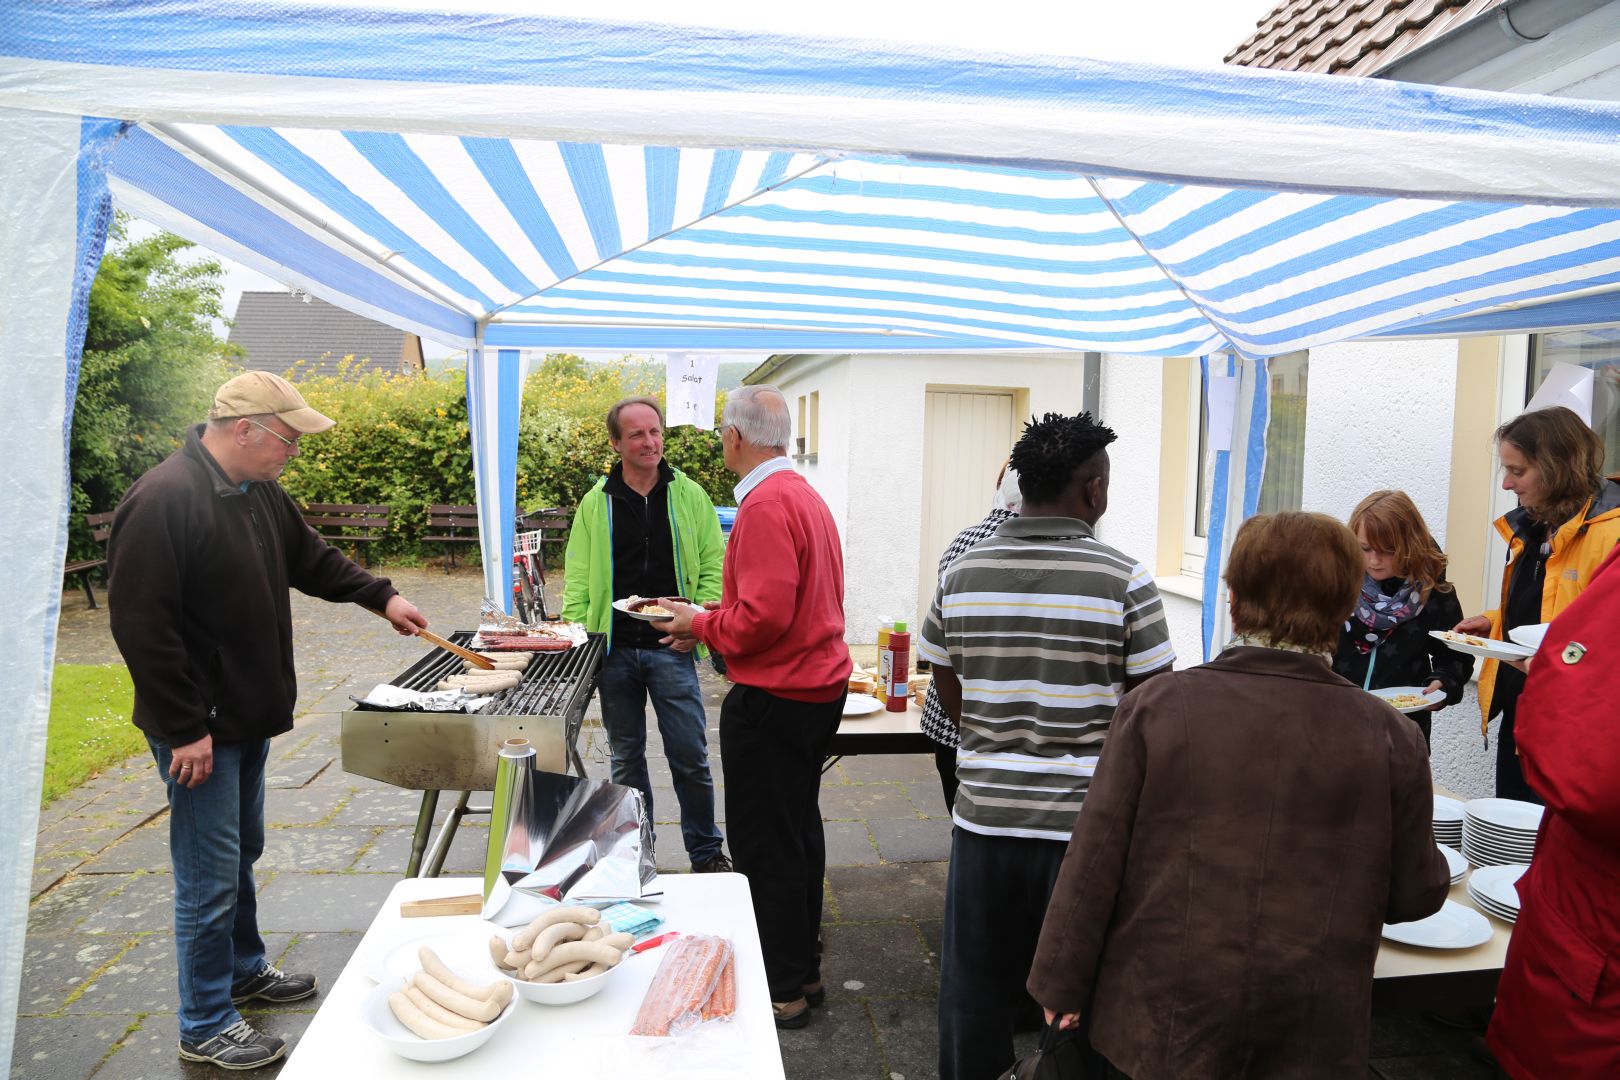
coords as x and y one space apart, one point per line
1035 634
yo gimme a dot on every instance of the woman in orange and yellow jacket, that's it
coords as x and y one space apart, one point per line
1567 523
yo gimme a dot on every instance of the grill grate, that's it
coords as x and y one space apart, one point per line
553 684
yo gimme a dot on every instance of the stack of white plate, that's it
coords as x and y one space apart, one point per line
1448 822
1491 887
1499 832
1454 862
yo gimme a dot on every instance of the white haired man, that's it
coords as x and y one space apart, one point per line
780 626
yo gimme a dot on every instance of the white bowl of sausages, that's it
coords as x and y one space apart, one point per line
563 956
419 1020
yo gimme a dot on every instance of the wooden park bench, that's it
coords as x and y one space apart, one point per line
354 524
450 524
100 529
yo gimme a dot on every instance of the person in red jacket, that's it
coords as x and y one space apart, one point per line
780 626
1558 1003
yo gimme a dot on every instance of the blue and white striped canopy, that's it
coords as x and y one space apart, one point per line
497 180
550 182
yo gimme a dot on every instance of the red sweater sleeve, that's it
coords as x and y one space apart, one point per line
766 580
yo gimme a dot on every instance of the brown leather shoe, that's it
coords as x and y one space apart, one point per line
791 1014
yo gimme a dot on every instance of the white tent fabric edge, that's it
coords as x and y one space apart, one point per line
39 167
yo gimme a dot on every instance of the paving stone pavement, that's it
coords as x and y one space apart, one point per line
98 996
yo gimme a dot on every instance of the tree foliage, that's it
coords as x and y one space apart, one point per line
151 365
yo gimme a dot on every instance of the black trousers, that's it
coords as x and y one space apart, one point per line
771 752
1510 781
996 895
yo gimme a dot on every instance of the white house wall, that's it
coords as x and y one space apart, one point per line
829 474
1378 415
869 466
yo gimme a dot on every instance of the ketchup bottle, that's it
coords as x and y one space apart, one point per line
898 669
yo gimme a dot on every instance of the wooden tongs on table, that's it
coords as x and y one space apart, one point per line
446 644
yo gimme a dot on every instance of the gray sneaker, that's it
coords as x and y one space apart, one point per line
273 985
239 1046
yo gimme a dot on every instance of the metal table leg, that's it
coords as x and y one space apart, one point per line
424 828
447 833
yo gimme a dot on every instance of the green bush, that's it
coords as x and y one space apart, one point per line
400 440
403 440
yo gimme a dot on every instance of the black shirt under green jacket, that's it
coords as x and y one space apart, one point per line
643 550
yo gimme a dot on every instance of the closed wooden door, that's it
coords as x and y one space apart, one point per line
966 437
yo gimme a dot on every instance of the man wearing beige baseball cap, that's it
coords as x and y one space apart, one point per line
204 549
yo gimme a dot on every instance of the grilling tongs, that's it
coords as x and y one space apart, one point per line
444 643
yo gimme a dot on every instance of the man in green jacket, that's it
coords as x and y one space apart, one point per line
646 529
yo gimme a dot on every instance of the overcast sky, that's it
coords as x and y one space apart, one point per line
1193 33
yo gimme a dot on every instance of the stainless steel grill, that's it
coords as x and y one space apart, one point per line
434 752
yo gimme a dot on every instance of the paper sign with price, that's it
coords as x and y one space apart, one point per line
690 383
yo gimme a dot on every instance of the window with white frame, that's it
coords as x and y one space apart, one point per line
1599 350
807 443
1282 487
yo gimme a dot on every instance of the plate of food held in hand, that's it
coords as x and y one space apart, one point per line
649 608
1489 648
438 1013
1409 699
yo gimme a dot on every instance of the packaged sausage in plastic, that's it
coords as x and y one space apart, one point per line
696 981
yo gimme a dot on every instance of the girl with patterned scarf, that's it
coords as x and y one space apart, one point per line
1386 642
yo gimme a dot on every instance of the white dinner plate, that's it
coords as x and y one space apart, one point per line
396 957
1454 862
1489 648
1521 817
1388 693
1495 883
623 606
861 705
1447 810
1454 926
1529 636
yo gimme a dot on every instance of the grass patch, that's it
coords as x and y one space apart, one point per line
90 726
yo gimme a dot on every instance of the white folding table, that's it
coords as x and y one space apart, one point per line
586 1039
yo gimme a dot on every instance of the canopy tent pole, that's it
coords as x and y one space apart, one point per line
54 165
493 387
1235 492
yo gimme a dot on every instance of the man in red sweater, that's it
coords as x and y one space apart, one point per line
780 626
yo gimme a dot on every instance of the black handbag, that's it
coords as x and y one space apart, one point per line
1064 1055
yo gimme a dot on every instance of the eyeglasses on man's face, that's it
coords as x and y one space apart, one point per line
291 444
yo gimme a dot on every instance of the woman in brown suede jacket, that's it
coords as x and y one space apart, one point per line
1251 825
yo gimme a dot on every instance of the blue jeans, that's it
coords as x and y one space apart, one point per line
629 677
216 834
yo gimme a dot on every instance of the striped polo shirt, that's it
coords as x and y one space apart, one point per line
1041 623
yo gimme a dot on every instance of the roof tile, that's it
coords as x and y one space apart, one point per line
1351 37
281 332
